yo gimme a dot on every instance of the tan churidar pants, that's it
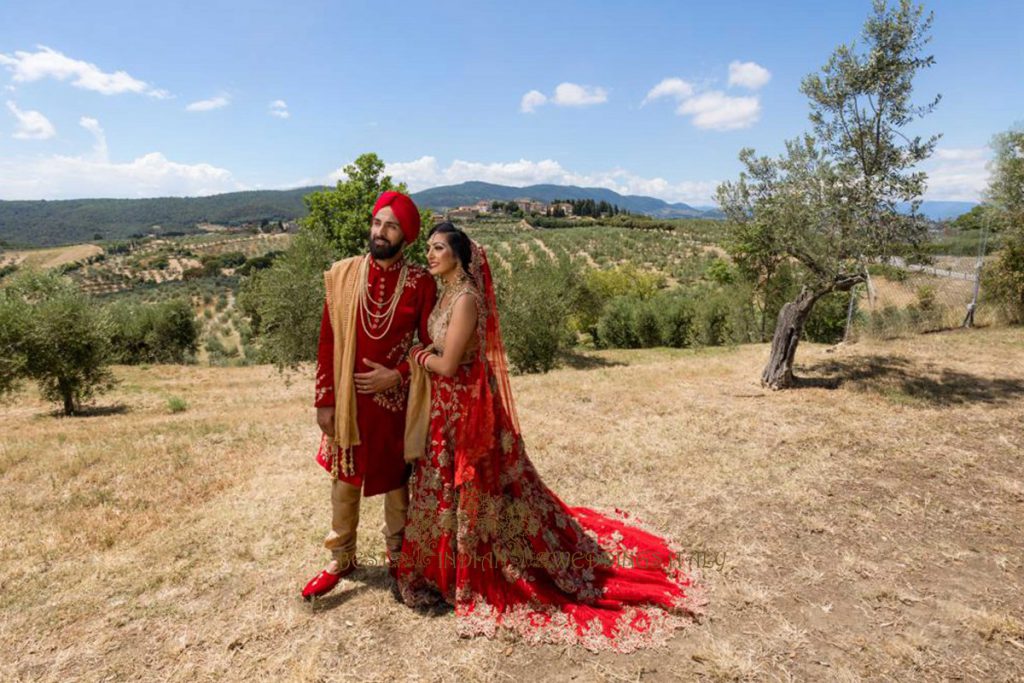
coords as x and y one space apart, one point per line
345 497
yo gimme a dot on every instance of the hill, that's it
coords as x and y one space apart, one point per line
43 223
51 223
845 528
941 211
449 196
463 194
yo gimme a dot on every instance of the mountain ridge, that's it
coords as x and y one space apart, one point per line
472 191
44 223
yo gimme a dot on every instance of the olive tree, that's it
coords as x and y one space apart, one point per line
830 202
56 336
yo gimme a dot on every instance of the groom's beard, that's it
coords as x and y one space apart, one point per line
383 250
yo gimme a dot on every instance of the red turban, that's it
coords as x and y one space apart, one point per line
405 211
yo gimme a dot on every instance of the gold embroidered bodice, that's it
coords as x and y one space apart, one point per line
440 318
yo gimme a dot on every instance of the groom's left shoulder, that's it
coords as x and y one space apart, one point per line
418 275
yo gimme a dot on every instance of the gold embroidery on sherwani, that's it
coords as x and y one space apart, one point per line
394 398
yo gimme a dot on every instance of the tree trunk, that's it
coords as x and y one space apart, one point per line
69 404
778 374
67 394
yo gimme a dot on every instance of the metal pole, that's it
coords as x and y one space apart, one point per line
849 312
971 307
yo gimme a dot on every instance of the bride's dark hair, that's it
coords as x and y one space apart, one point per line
457 240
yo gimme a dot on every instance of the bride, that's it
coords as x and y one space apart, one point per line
484 533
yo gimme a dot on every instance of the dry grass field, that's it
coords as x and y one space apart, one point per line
866 526
50 258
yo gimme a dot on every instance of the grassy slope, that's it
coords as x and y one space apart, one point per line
867 527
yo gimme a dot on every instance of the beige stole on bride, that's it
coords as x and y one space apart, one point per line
417 414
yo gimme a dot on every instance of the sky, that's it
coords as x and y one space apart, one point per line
136 99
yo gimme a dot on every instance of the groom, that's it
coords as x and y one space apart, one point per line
375 306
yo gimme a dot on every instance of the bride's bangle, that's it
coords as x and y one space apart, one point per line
421 357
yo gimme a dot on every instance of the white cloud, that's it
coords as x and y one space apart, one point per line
32 125
27 67
714 110
99 149
573 95
279 108
961 154
566 95
94 175
957 174
670 87
532 100
427 172
748 75
218 102
717 111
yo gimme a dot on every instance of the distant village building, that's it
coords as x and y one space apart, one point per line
531 206
463 212
564 207
483 206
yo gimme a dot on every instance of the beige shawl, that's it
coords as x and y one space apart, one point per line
342 283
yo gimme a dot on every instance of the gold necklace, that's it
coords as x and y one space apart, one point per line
385 317
452 292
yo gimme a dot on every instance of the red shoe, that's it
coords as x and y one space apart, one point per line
324 582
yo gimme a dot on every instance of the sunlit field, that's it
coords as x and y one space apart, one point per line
865 525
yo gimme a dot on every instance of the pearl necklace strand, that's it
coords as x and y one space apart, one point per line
387 316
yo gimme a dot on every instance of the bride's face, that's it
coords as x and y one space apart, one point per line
440 257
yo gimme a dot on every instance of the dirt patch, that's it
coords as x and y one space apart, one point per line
51 258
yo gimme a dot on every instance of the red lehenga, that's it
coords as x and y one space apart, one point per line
486 535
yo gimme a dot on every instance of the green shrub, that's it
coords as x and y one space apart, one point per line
165 332
232 259
617 326
176 404
720 272
534 302
284 302
677 321
600 286
926 298
827 322
887 271
712 321
1003 281
648 326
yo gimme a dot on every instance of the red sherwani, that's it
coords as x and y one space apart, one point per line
379 458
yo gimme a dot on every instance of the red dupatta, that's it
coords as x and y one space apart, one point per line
490 422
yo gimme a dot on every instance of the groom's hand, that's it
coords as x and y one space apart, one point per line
378 379
325 418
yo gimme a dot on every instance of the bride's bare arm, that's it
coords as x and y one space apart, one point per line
460 331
